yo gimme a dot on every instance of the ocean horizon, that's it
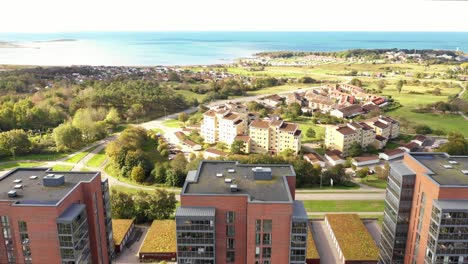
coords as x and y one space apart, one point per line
200 47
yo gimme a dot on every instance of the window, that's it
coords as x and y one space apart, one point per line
230 243
257 239
266 252
230 217
267 225
22 226
230 256
258 225
229 230
257 252
267 239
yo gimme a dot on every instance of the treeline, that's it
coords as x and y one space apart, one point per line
353 53
144 206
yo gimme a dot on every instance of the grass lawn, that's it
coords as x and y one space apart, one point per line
374 181
443 122
77 157
11 165
39 157
352 186
281 89
97 159
172 123
62 168
158 130
304 124
189 95
392 145
345 206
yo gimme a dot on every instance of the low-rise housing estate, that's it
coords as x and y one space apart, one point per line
274 136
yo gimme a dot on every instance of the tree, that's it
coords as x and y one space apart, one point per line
294 110
456 145
362 173
356 82
14 142
310 133
66 136
423 129
138 174
179 163
159 173
399 85
380 84
355 149
237 146
87 120
287 153
306 79
183 117
122 205
113 117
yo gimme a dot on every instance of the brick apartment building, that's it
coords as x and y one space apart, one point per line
426 212
244 214
54 217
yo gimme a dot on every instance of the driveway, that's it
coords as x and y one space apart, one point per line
130 255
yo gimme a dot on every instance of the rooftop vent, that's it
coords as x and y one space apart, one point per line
231 170
12 193
18 186
465 172
52 180
33 177
17 181
234 188
453 162
219 175
448 166
227 180
261 173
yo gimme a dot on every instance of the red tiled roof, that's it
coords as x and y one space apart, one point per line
393 152
380 124
260 124
288 127
242 138
345 130
209 113
180 135
313 157
366 158
231 116
216 152
334 154
380 138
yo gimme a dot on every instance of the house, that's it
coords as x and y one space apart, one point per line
214 153
192 144
334 157
274 136
295 98
246 140
314 159
343 137
320 102
391 154
348 111
273 100
365 161
419 139
122 230
410 147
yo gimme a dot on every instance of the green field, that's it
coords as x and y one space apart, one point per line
158 130
408 101
38 157
344 206
62 168
191 95
14 164
97 159
304 124
79 156
374 181
172 123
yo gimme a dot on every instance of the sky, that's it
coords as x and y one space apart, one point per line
234 15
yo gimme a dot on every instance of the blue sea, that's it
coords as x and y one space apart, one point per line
196 48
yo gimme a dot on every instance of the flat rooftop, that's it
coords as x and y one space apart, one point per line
206 181
443 168
33 191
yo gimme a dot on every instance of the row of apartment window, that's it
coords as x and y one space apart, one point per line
263 240
230 233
